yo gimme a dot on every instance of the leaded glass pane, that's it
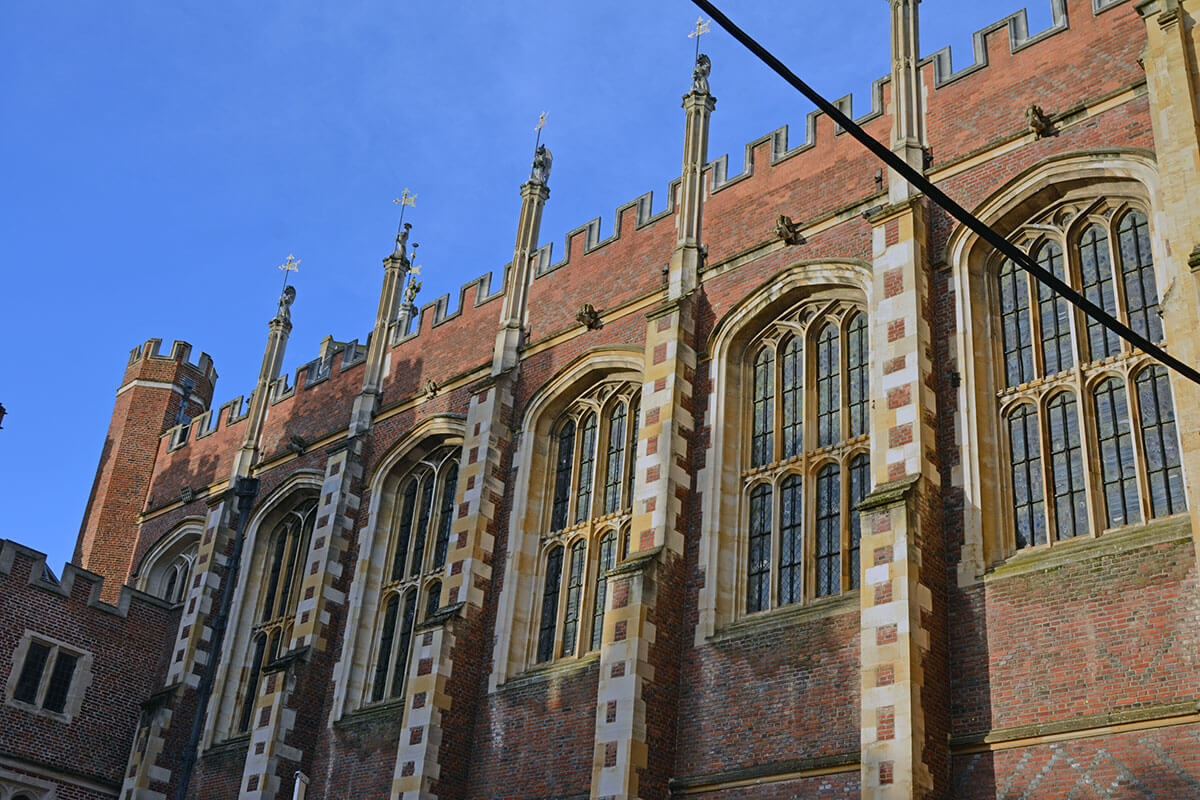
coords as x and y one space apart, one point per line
762 444
1054 312
1160 442
390 613
1095 268
433 600
1117 466
400 673
793 398
426 510
829 529
445 516
1028 508
562 476
634 428
791 541
587 467
31 672
574 597
615 463
829 373
59 685
1066 468
251 693
759 560
857 374
605 562
860 484
1137 271
1014 325
404 529
545 650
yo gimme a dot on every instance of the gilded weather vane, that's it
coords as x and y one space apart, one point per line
291 265
406 199
700 30
540 171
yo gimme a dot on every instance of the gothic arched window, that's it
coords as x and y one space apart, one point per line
590 490
1075 465
286 547
802 483
411 591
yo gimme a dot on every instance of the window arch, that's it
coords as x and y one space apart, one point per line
419 541
801 485
1076 466
286 547
595 436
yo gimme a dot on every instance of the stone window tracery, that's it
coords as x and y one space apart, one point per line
1075 465
588 517
276 611
411 591
801 484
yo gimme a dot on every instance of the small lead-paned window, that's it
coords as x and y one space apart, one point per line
574 597
1160 442
407 621
857 374
445 516
546 632
860 481
386 637
606 561
1014 325
829 526
562 476
1137 272
1117 466
587 467
615 463
793 398
759 561
433 600
1066 468
60 682
1095 268
829 379
45 676
31 672
1054 313
762 440
404 529
417 564
791 541
1026 459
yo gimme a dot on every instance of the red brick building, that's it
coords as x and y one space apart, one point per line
791 489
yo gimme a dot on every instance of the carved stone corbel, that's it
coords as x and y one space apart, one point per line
1039 122
789 231
589 317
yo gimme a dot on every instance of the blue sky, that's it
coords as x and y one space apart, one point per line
160 159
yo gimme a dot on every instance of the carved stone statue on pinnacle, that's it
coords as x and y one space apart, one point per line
542 161
700 74
285 304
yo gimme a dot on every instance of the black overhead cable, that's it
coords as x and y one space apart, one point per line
935 194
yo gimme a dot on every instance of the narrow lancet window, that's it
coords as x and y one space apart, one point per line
793 398
1095 268
400 671
1055 313
390 614
574 597
1137 271
1066 465
828 533
829 378
562 476
758 578
587 468
445 516
791 541
762 445
860 480
857 374
1160 443
546 632
615 465
1014 323
404 529
1117 466
1025 452
418 555
605 562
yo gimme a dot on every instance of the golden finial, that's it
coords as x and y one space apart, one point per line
291 265
542 117
701 29
406 199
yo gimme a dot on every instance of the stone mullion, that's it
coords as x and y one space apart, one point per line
275 711
466 577
896 607
626 669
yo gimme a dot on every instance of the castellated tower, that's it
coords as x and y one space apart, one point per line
153 390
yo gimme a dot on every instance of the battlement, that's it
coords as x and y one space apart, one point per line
180 353
21 565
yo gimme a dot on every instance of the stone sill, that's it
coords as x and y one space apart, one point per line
369 713
553 670
234 744
824 608
767 773
1084 548
1121 716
